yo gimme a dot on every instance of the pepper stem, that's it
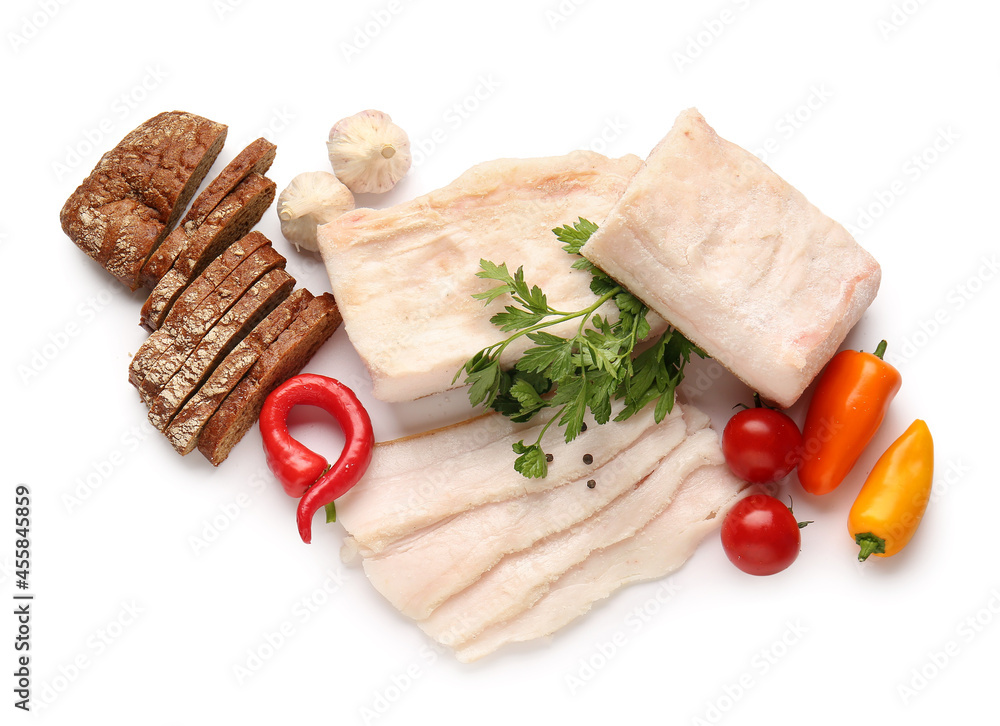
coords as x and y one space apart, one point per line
870 544
880 351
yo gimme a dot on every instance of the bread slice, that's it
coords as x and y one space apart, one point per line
186 334
256 158
232 327
230 220
192 297
286 357
134 196
186 426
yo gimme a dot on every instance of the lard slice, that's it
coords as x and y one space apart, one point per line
736 259
404 276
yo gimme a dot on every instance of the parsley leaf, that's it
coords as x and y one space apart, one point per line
531 463
575 237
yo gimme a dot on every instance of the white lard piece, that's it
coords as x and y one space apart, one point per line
404 277
737 259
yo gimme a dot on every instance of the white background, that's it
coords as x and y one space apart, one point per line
134 619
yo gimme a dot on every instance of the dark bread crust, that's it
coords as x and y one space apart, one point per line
138 190
282 360
186 426
234 217
186 334
254 306
254 159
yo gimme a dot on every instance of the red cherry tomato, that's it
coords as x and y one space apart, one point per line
761 445
760 535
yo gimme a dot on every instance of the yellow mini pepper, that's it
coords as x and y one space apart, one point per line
892 502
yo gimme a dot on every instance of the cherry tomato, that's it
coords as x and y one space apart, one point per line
760 535
761 445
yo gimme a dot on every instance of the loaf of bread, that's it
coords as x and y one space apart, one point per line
228 327
134 196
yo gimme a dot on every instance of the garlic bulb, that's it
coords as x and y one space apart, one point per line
369 153
311 199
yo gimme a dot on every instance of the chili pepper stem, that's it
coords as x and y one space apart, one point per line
870 544
880 350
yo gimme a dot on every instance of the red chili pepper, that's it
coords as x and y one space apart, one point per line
301 471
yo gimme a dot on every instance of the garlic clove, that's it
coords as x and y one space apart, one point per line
368 152
311 199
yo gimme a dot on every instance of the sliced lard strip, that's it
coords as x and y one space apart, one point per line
418 573
658 549
420 480
520 579
736 259
404 276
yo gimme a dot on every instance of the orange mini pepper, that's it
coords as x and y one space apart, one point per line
850 401
892 502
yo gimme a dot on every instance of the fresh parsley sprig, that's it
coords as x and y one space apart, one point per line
586 371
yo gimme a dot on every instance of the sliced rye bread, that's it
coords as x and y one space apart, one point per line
234 217
256 158
240 319
283 359
186 334
186 426
210 278
137 191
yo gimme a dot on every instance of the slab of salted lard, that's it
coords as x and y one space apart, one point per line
655 551
520 579
419 480
404 276
736 259
419 572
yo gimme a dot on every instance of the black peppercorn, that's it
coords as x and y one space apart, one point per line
591 483
588 459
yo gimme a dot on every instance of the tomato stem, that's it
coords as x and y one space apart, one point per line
801 524
870 544
760 404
